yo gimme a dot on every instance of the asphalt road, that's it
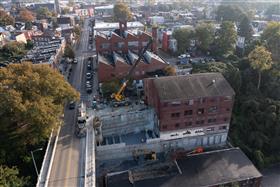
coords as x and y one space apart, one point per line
68 164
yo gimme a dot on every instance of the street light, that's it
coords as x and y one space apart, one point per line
39 149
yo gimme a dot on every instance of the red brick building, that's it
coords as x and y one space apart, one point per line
118 65
195 104
123 40
117 52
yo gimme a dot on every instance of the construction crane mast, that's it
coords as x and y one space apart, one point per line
119 95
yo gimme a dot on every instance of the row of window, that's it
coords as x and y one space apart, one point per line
209 129
200 111
191 102
198 122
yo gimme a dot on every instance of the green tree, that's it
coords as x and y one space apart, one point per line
12 51
183 37
271 36
77 31
6 19
226 39
43 13
245 29
69 52
10 177
108 88
31 103
229 13
122 12
260 60
29 44
205 36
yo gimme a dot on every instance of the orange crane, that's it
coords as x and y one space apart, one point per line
119 95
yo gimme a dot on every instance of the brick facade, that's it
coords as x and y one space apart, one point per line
194 112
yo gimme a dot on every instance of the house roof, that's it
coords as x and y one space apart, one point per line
192 86
205 169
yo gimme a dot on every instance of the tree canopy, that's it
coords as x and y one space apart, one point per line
43 13
183 37
26 15
32 101
245 29
10 177
12 51
229 13
122 12
260 60
6 19
69 52
226 39
205 34
271 37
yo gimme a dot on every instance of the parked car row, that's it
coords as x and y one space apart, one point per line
89 75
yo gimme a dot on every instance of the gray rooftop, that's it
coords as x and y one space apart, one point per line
192 86
206 169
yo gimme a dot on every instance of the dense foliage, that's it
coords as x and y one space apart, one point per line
13 51
256 115
6 19
10 177
122 12
31 104
183 36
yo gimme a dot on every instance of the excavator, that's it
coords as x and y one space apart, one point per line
118 97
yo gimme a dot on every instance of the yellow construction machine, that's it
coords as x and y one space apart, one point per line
119 95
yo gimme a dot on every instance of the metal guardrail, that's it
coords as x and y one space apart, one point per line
44 161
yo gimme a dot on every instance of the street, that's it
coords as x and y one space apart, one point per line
68 164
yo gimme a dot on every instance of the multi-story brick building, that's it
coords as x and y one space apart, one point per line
191 105
118 51
122 40
117 66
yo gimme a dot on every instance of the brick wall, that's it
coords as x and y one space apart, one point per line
184 114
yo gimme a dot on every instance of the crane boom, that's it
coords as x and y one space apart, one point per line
118 96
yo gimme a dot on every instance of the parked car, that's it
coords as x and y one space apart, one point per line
88 76
72 105
75 61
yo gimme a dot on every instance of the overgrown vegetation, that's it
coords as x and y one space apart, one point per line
31 104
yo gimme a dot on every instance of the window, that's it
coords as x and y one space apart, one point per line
227 109
211 120
223 127
213 109
228 98
177 125
202 100
175 115
133 44
189 123
120 44
164 126
190 102
188 112
105 46
213 100
210 129
176 103
225 119
200 111
199 122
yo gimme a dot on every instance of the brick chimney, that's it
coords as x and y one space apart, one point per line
154 44
122 26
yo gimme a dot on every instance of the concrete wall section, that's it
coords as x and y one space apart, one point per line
129 122
188 143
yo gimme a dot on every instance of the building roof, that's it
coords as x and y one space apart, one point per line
115 25
205 169
192 86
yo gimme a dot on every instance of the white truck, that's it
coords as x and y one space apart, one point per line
81 121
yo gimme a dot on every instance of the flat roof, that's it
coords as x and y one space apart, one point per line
192 86
205 169
115 25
